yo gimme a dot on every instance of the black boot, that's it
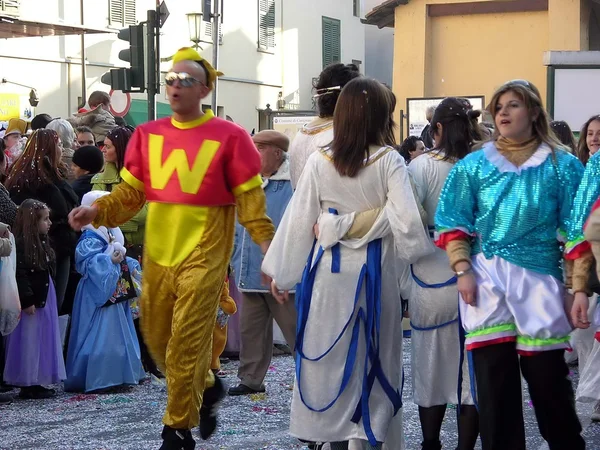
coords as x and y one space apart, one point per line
553 400
208 410
498 380
174 439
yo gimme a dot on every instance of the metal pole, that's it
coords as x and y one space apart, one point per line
83 66
216 33
151 62
157 47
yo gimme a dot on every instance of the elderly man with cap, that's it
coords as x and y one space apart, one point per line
259 307
196 171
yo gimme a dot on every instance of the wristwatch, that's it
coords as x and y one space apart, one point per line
462 273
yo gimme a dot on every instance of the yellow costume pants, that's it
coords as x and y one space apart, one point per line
178 309
178 313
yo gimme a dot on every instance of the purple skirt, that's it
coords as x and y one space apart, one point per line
33 350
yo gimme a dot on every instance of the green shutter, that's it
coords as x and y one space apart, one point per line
332 41
266 24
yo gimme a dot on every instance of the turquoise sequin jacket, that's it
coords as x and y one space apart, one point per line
520 214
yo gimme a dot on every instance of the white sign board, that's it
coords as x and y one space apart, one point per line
290 125
417 108
576 95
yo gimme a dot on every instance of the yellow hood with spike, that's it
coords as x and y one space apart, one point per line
189 54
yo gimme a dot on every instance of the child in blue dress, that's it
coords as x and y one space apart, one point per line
103 347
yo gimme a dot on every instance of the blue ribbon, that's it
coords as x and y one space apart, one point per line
335 251
424 285
370 277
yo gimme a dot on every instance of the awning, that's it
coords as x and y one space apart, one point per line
12 27
384 15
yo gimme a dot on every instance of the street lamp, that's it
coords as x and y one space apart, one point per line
194 27
34 99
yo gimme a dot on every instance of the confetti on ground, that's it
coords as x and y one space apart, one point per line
130 419
258 397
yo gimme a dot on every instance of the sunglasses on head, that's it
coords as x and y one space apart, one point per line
185 79
518 82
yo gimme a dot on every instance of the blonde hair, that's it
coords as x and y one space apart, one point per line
530 95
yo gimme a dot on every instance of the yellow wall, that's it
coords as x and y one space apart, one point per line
475 54
468 59
568 22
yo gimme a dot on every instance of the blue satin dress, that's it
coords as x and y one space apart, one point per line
104 351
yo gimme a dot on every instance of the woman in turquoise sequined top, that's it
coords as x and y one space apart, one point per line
502 216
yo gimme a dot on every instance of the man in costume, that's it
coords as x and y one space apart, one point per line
194 169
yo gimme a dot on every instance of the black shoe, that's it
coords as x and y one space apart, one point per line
157 373
208 410
174 439
36 393
431 445
242 389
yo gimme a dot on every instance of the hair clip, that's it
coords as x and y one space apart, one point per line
325 91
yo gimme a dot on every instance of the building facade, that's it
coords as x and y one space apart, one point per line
469 48
270 50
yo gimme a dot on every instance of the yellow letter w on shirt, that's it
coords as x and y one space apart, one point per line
190 180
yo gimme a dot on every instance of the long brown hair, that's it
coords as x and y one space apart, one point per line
40 164
583 152
530 95
36 248
120 138
363 117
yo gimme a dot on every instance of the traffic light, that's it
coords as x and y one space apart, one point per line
130 79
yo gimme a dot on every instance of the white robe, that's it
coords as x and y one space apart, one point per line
435 352
385 178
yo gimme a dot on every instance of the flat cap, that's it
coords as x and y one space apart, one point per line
272 137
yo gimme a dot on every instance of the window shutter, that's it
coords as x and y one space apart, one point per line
332 41
129 12
266 24
121 12
115 12
10 6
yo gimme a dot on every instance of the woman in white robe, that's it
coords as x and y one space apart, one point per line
433 297
349 348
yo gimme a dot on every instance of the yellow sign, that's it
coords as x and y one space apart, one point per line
10 106
15 106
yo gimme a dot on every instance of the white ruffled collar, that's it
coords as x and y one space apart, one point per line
504 165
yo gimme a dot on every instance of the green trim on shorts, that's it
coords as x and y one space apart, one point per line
493 329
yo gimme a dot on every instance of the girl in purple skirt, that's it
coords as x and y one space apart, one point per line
33 352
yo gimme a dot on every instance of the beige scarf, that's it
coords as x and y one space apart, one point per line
517 152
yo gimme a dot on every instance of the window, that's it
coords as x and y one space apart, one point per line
356 8
207 33
121 12
10 6
266 24
332 41
357 63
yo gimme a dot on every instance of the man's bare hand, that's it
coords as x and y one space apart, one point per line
81 216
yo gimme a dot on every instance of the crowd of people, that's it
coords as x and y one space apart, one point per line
489 231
